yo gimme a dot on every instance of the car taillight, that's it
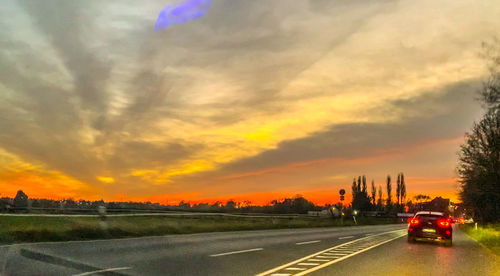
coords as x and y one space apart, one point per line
414 221
443 223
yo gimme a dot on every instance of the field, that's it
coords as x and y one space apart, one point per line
14 229
488 235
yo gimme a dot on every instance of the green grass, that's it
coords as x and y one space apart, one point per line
488 235
34 229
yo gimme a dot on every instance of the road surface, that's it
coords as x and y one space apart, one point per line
363 250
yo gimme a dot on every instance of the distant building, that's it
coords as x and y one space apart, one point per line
438 204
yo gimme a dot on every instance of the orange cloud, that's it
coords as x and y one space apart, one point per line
52 186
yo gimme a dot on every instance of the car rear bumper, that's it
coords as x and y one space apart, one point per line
430 236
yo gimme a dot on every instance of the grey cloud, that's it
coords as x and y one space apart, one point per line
65 23
432 116
249 41
142 155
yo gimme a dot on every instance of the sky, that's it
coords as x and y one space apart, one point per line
255 100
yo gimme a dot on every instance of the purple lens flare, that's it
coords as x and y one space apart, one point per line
180 13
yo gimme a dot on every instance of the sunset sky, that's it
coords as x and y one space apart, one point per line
256 100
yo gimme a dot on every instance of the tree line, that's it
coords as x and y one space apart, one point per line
21 203
364 201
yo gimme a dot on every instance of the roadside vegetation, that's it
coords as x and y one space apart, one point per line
16 229
488 235
479 163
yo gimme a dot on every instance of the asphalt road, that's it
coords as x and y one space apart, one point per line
364 250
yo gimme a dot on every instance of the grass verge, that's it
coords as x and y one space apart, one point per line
15 229
488 235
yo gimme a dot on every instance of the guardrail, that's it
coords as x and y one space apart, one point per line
76 212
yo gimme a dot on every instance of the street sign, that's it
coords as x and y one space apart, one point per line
342 192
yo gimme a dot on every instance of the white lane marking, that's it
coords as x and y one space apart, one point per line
342 251
366 235
325 257
309 264
295 268
312 269
334 254
236 252
103 270
347 237
317 260
280 274
324 253
307 242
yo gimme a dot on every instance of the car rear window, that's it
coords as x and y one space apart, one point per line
429 217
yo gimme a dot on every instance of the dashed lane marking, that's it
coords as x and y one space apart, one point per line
102 271
307 242
236 252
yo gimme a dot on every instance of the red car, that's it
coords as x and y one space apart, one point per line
427 225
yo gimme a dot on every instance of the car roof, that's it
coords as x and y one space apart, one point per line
429 213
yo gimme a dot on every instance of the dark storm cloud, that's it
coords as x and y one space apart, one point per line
428 117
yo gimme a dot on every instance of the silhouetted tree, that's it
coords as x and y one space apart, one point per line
398 190
421 197
360 199
298 205
230 206
364 189
374 193
182 205
389 193
479 158
403 189
380 200
354 191
479 168
21 200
